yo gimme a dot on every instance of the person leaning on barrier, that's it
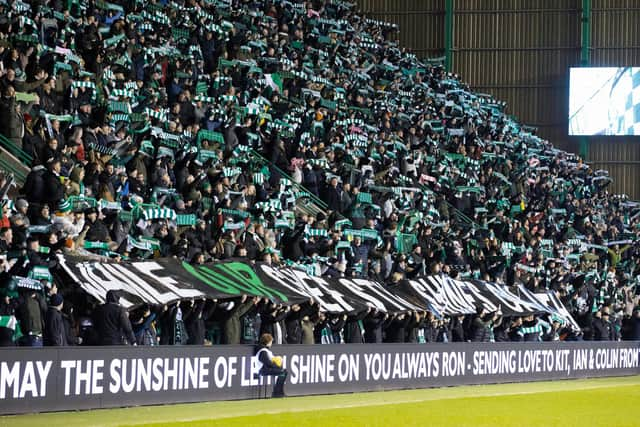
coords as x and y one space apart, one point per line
270 365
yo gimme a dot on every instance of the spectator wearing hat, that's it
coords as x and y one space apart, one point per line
71 224
42 217
55 332
22 206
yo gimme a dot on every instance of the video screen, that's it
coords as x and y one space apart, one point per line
604 101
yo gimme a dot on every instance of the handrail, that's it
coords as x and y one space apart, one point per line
18 174
299 187
21 155
457 212
462 217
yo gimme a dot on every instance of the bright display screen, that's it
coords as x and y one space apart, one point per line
604 101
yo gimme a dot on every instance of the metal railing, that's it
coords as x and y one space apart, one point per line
316 204
17 162
16 151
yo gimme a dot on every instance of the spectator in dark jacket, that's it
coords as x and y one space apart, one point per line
97 231
374 323
233 325
328 330
481 326
293 325
354 327
112 322
603 330
30 312
55 331
34 188
174 330
333 195
195 316
456 329
53 187
395 332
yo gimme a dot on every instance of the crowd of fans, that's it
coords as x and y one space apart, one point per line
293 133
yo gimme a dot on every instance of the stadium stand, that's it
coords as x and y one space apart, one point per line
292 133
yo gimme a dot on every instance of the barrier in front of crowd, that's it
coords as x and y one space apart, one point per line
58 379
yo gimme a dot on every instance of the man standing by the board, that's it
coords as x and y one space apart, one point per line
112 322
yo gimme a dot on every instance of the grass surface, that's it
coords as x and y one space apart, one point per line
597 402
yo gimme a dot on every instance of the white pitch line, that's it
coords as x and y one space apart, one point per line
393 402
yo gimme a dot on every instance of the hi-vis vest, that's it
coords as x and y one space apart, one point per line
259 364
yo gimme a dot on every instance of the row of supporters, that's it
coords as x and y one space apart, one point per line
243 320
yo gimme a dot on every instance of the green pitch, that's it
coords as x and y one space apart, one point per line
597 402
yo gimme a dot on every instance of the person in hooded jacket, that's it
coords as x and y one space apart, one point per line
233 324
144 326
112 322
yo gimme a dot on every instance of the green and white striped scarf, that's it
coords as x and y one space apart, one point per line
269 205
159 213
160 115
316 232
258 178
230 172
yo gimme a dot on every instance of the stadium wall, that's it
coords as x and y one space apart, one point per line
520 51
59 379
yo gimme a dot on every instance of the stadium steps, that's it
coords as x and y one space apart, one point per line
14 161
310 204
